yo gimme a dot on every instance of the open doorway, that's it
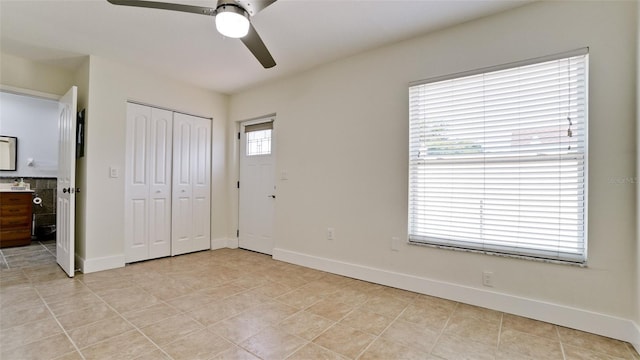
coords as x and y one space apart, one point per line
29 209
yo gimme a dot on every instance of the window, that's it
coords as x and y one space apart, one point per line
258 137
498 159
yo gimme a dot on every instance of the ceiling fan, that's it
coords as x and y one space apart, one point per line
232 20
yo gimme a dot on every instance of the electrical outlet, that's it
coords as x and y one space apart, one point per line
487 278
331 233
114 172
395 243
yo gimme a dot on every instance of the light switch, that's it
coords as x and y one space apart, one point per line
284 175
114 172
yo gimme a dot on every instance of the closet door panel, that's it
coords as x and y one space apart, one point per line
136 183
182 208
160 151
191 184
148 183
201 169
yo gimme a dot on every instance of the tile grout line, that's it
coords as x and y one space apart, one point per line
499 332
127 321
75 346
4 259
564 356
383 330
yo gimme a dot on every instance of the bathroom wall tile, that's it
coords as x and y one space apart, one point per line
40 183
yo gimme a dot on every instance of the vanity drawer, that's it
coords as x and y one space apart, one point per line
15 218
13 222
22 234
16 198
15 238
15 210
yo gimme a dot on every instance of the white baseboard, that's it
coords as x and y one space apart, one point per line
601 324
218 243
98 264
232 243
635 341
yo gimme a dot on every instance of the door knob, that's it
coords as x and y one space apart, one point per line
271 196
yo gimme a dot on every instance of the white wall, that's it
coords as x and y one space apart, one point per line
637 282
111 85
28 74
34 121
343 139
81 80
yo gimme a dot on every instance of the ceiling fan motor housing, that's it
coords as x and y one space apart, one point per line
242 5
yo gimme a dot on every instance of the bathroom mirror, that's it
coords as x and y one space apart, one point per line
8 153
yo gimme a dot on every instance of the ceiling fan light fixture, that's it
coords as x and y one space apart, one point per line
232 21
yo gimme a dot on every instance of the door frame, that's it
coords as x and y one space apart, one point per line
56 97
237 137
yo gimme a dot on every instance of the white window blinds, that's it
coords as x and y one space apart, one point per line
498 160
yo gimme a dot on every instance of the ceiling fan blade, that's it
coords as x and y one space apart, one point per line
254 43
166 6
259 5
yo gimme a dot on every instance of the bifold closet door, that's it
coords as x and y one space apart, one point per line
191 203
148 183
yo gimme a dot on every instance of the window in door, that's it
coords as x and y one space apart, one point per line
258 138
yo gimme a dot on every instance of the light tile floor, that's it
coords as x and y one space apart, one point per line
236 304
38 253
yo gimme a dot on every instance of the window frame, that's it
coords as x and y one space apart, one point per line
531 254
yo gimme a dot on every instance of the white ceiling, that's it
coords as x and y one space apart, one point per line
300 34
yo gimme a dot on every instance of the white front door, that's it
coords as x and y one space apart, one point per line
66 198
257 186
191 203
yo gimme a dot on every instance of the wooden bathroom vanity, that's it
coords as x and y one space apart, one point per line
15 218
